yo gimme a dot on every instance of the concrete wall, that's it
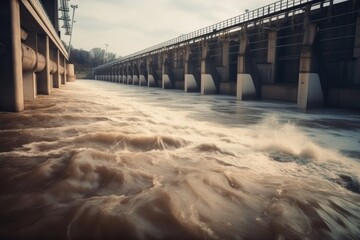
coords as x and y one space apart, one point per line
309 56
32 57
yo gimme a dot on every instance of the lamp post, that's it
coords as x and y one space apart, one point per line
74 7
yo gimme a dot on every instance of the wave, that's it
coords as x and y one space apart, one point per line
137 172
26 121
112 141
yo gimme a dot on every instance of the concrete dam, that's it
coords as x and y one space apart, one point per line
33 59
301 51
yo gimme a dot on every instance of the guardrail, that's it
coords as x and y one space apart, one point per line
268 10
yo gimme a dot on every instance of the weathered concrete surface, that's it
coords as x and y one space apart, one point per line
11 83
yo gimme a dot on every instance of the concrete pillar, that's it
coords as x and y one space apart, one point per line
56 75
129 74
207 82
111 74
225 59
44 80
32 63
271 54
135 73
190 84
11 83
122 79
142 80
120 74
245 87
135 80
309 86
115 72
124 72
175 63
70 72
166 81
64 77
29 77
187 67
149 67
142 73
159 67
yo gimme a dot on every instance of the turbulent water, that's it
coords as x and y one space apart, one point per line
99 160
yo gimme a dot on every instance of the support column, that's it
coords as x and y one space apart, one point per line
44 80
64 77
225 59
142 74
309 86
117 79
223 72
245 87
190 84
70 72
207 82
129 73
56 75
135 68
149 67
120 73
159 77
11 84
124 70
29 77
271 54
166 81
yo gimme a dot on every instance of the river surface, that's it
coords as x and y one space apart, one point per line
100 160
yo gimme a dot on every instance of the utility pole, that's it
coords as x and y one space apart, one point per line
74 7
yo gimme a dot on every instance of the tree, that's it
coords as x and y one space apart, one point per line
98 56
85 60
110 57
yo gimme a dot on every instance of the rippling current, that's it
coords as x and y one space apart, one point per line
99 160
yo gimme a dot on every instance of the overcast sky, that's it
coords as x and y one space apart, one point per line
128 26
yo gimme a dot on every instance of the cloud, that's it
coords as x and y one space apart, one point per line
132 25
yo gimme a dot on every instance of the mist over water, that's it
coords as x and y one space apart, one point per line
99 160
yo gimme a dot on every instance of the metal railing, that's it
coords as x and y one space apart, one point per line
262 12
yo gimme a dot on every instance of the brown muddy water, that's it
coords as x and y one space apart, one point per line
99 160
